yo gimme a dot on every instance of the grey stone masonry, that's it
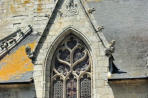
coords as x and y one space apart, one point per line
82 24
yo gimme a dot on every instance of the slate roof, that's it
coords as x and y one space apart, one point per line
126 21
20 74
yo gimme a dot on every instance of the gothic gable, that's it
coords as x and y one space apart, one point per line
70 17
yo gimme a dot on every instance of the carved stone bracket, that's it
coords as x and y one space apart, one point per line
91 10
100 28
12 40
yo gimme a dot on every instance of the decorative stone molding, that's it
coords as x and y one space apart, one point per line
12 40
70 9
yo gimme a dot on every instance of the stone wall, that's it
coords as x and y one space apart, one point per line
130 88
17 91
17 13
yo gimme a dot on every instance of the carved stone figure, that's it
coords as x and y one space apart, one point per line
111 48
71 8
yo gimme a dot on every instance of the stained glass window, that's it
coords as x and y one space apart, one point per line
71 62
85 85
57 88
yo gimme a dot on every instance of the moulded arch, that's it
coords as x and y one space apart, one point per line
61 36
51 50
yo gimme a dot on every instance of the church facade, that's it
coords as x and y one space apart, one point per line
57 49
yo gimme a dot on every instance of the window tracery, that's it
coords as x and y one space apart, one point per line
71 75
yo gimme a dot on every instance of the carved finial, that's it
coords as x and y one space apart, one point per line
100 28
91 10
29 52
111 48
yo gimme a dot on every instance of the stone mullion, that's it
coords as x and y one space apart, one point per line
64 88
78 87
71 60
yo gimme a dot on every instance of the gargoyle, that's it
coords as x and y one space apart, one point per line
111 48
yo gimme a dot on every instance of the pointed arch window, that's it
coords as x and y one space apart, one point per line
71 70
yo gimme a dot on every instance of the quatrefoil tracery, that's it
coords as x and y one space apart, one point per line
72 56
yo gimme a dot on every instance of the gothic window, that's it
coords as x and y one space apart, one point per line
71 71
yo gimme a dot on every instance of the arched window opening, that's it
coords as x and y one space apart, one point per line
57 87
85 85
71 70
